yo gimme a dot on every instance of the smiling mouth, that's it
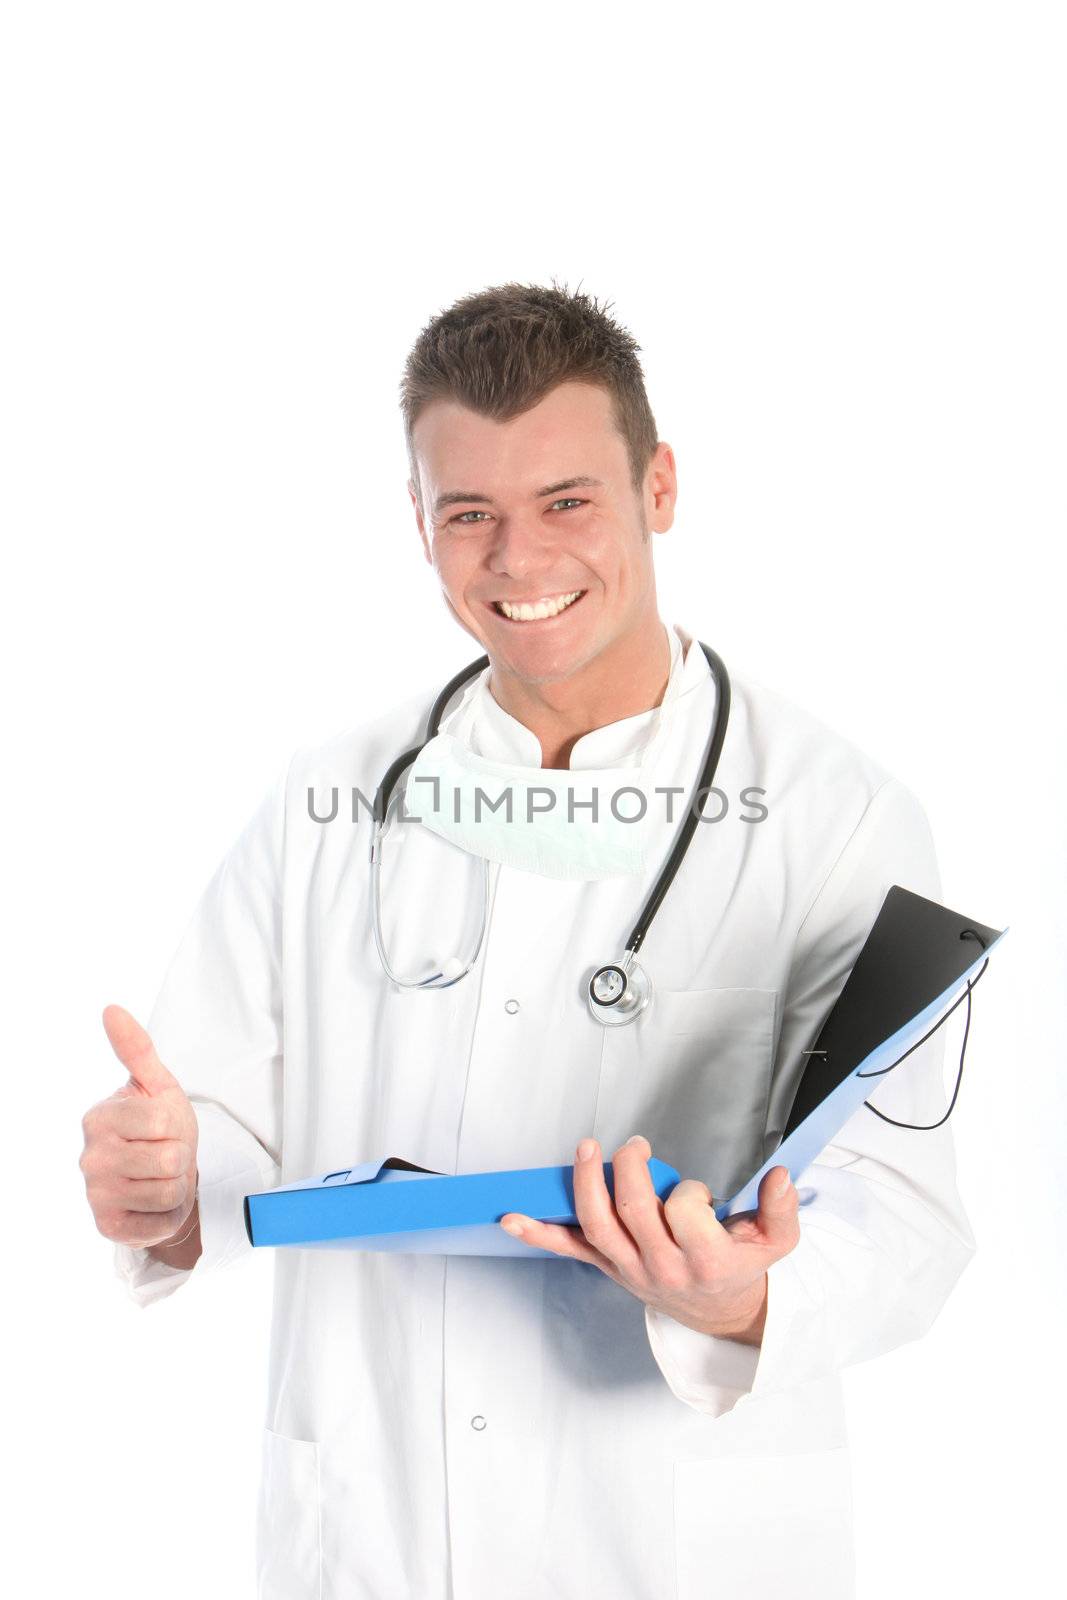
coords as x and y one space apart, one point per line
540 610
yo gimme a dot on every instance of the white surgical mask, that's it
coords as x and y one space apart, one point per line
542 819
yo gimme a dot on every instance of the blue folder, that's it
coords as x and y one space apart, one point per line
915 965
393 1205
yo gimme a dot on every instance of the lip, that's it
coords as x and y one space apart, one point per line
537 622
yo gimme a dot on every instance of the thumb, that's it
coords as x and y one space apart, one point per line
135 1050
777 1214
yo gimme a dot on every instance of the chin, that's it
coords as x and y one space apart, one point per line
549 663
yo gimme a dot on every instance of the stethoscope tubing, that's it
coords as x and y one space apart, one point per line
628 970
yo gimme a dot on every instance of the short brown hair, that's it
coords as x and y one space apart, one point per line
500 350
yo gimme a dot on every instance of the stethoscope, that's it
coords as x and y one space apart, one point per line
619 991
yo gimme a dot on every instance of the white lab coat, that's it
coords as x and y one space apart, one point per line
465 1428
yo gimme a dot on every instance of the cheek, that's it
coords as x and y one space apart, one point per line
595 546
613 553
455 565
633 563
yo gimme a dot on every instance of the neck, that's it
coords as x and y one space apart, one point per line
628 677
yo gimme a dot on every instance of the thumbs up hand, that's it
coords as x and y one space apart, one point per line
139 1160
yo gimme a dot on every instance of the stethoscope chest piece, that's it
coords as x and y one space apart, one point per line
618 994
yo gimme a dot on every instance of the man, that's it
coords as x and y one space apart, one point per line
650 1408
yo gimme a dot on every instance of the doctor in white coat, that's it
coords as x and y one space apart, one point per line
653 1411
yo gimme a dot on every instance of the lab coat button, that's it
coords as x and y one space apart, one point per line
478 1422
511 1006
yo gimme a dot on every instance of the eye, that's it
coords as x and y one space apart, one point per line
462 518
567 502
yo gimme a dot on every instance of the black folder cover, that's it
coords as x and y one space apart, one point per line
916 949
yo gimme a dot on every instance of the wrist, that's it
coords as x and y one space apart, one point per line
743 1317
184 1248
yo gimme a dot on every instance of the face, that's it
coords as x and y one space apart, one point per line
539 512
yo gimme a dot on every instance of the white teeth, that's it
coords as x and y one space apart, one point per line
533 612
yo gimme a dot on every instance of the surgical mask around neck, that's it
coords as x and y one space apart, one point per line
584 824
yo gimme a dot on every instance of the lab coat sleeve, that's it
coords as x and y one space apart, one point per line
883 1233
217 1025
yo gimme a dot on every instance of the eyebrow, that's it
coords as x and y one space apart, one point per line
456 497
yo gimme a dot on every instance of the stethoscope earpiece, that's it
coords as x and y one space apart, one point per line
617 994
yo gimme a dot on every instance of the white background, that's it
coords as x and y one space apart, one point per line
837 232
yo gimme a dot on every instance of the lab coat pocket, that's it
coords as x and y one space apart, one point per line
693 1074
289 1543
748 1526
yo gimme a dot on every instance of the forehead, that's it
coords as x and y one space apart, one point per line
571 430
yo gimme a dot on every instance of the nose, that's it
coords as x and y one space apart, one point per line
520 548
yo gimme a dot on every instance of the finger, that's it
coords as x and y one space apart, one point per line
155 1194
776 1215
690 1215
142 1229
561 1239
155 1158
596 1211
135 1050
145 1117
637 1204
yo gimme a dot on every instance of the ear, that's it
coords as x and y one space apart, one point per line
661 489
421 523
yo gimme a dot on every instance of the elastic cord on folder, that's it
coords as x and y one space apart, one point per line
926 1127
